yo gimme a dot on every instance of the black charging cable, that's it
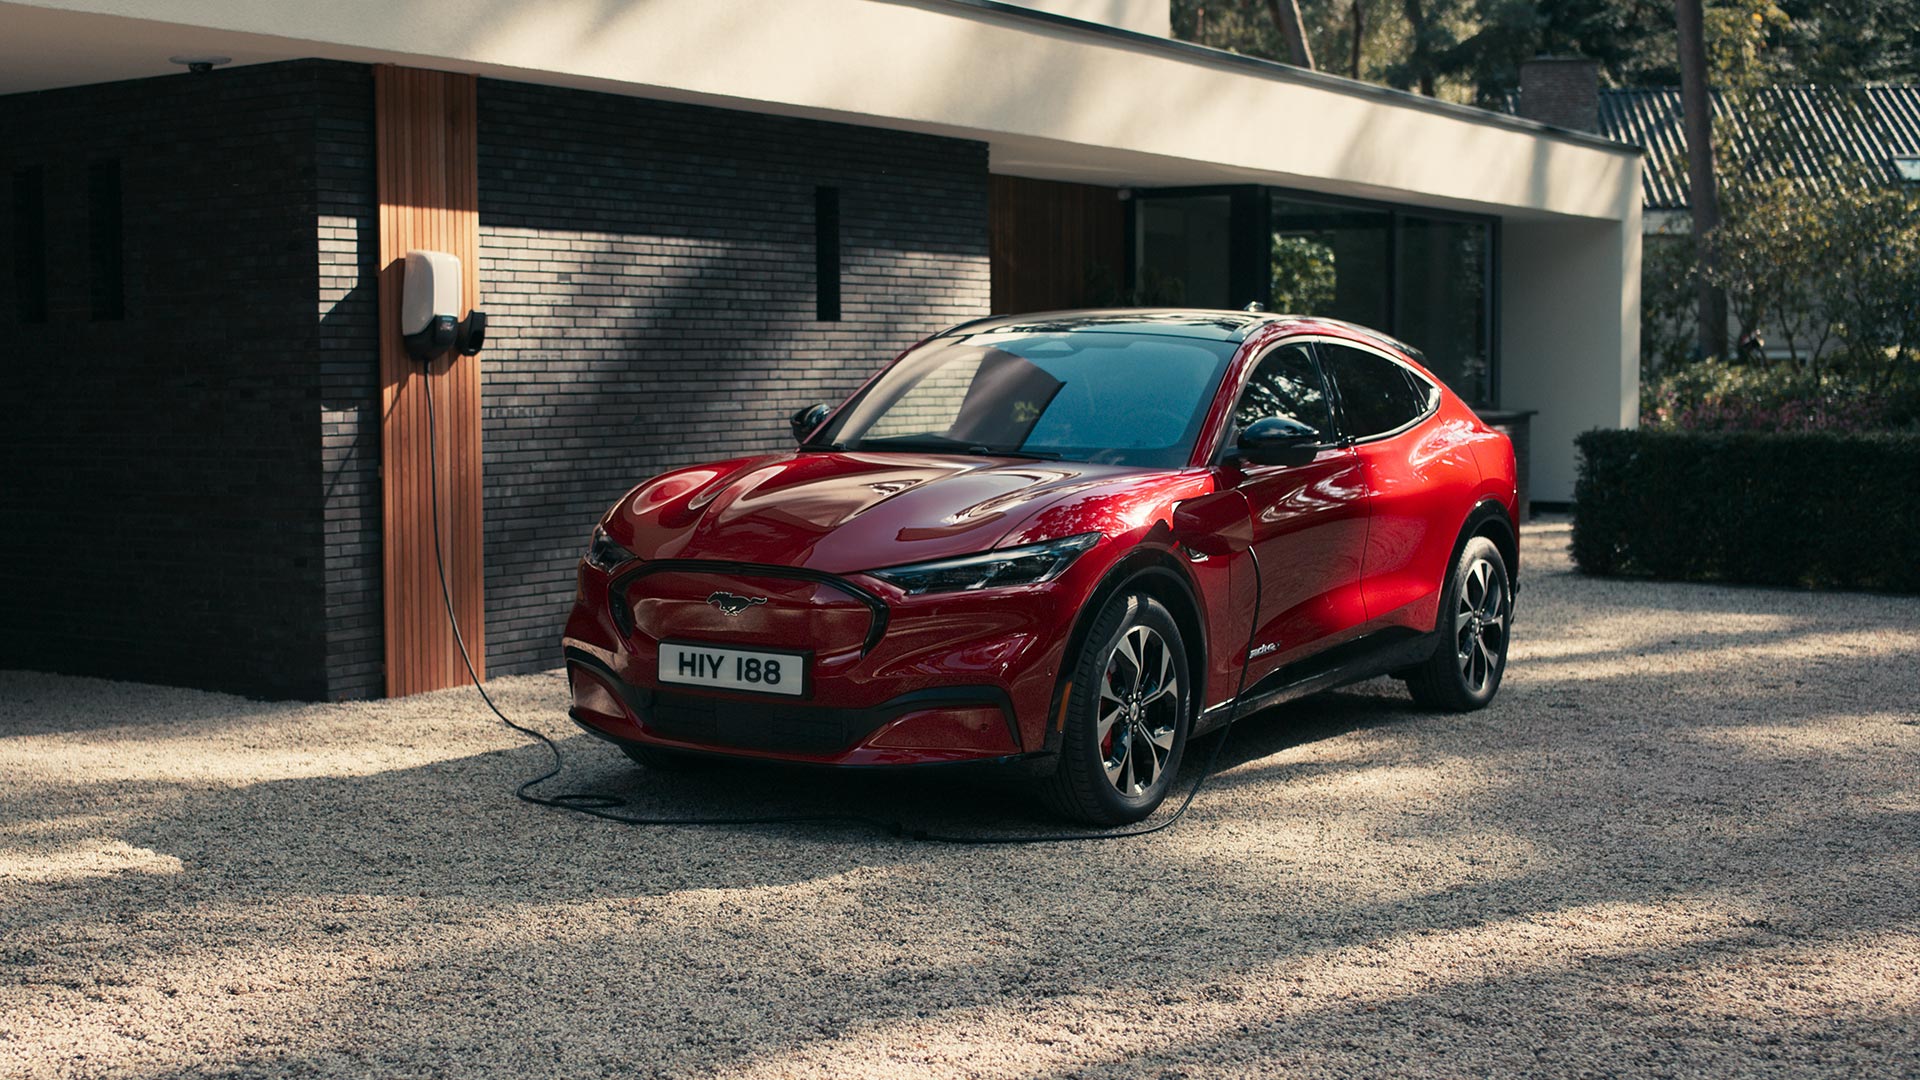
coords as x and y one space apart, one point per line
607 807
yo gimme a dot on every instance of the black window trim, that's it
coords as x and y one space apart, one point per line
1428 409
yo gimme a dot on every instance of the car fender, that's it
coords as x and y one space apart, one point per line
1154 562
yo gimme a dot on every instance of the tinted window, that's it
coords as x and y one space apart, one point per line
1376 393
1287 383
1132 399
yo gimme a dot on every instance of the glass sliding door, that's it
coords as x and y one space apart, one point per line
1183 248
1442 295
1426 277
1332 260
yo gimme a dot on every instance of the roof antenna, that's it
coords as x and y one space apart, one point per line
1254 306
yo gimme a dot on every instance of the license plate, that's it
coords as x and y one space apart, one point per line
754 670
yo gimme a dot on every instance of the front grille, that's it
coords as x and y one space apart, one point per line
753 725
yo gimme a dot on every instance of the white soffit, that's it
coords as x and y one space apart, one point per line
1052 97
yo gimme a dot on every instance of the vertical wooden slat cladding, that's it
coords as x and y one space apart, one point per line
1055 245
429 199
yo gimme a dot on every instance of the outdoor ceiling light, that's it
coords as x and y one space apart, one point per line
1908 167
200 65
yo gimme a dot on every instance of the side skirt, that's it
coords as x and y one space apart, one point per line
1362 658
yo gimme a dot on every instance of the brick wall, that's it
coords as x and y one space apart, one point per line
348 247
193 490
648 273
160 516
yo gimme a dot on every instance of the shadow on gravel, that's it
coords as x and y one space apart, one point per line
1603 873
41 704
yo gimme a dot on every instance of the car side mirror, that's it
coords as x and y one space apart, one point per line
804 421
1278 440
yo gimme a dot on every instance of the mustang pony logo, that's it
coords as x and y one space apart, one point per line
734 604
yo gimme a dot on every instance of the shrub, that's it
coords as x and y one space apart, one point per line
1713 395
1819 509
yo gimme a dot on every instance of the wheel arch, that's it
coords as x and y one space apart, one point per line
1157 572
1489 518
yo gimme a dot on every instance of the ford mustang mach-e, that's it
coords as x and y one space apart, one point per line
1065 542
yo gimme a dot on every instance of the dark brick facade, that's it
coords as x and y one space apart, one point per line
161 509
192 491
349 383
648 273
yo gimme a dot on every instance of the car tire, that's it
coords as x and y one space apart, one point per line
1129 711
1474 627
665 761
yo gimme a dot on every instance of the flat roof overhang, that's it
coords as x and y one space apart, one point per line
1054 98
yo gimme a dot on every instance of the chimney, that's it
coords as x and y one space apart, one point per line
1561 90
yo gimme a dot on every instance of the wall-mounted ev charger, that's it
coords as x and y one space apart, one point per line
430 322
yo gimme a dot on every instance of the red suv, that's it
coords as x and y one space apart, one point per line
1068 541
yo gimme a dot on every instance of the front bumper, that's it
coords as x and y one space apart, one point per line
894 680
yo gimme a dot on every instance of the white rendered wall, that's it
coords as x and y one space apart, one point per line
1052 100
1570 336
1141 16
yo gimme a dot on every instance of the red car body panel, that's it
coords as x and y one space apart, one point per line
1280 562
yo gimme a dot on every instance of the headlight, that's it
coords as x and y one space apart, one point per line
1029 565
605 555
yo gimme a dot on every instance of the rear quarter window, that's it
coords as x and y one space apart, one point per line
1376 394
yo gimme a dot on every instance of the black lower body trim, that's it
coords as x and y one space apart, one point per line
774 726
1377 653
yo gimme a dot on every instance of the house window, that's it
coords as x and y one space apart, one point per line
1332 260
105 243
1442 300
1425 277
1183 244
826 253
30 244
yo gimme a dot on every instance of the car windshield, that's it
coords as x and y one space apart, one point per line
1077 395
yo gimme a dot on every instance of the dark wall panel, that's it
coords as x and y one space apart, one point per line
1056 245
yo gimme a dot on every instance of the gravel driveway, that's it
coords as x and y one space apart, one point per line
1684 842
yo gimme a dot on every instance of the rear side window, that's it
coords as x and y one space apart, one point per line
1376 394
1287 383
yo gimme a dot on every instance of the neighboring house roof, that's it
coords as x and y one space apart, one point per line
1795 130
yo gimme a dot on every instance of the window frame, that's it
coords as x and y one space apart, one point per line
1415 382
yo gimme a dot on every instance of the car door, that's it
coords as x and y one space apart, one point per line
1309 520
1413 475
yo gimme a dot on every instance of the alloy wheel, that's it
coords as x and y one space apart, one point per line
1480 626
1139 710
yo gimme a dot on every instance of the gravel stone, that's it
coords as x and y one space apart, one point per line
1684 841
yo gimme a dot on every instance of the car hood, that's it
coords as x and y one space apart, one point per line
846 511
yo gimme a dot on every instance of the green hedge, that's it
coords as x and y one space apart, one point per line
1817 508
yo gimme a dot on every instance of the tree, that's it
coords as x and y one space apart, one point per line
1356 46
1471 50
1702 197
1286 17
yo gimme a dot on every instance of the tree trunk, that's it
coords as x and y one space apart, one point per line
1359 35
1286 16
1422 47
1703 196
